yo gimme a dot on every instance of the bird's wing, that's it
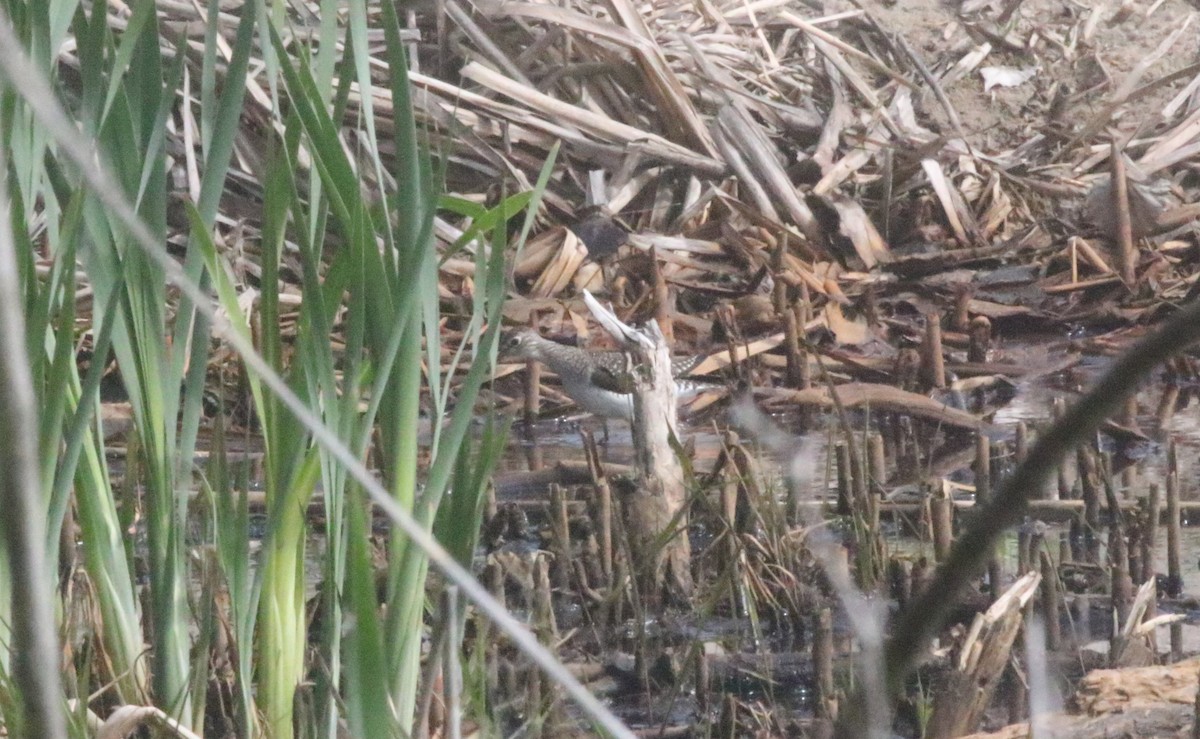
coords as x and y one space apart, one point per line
606 378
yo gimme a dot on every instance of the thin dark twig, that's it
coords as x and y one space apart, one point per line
917 625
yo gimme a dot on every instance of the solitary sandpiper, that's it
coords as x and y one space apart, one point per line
597 380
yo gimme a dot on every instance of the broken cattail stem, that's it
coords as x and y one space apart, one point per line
983 494
507 678
1174 549
560 538
1153 503
1134 546
1016 687
1126 251
1020 451
999 453
980 339
983 469
1129 412
589 596
726 318
1174 545
822 655
803 311
1090 486
603 515
962 315
1037 543
729 515
796 495
1020 442
589 571
490 506
855 463
877 476
1063 492
870 306
533 704
1129 475
933 364
431 718
664 301
1149 520
941 520
1051 602
604 528
620 576
908 456
900 580
779 291
727 722
1026 552
1016 690
494 577
845 494
961 701
1121 583
1080 609
1075 539
891 438
544 622
795 353
803 370
1118 550
483 631
877 462
922 573
1167 405
838 564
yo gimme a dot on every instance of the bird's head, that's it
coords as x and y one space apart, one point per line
519 345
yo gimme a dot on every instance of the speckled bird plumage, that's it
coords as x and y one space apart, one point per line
597 380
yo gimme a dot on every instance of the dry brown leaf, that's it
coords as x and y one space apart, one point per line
849 332
558 273
883 397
